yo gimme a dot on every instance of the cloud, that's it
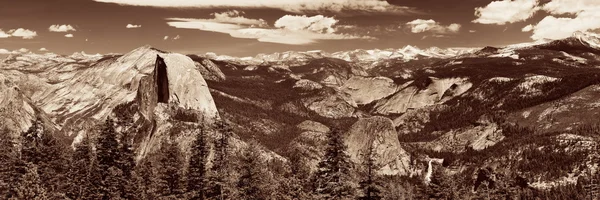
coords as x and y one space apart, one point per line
294 6
18 51
61 28
177 37
20 32
166 37
69 35
234 17
4 34
23 50
289 29
575 15
421 26
527 28
133 26
506 11
4 51
43 49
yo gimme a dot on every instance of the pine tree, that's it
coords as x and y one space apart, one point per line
170 182
254 182
11 167
107 156
49 155
80 174
197 168
126 165
295 186
333 177
148 178
370 185
219 183
30 185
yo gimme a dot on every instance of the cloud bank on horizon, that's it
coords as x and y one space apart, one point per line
294 6
289 29
564 17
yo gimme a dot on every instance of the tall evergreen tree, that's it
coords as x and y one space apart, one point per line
108 156
127 165
12 168
296 186
197 168
80 173
148 178
219 182
49 155
170 182
370 185
333 177
254 182
30 185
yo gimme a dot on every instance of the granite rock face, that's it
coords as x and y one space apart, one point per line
378 133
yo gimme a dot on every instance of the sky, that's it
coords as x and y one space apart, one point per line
250 27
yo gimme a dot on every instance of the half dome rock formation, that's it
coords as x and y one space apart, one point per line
175 81
83 93
378 133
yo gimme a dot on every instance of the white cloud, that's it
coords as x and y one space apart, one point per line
295 6
23 50
4 51
234 17
527 28
584 17
421 26
43 49
20 32
166 37
177 37
4 34
472 31
69 35
133 26
289 29
506 11
61 28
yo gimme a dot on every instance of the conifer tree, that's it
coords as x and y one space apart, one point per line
11 167
333 177
127 164
370 185
30 185
49 155
80 173
219 183
170 182
107 156
197 168
254 182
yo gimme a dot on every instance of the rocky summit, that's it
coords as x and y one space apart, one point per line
516 118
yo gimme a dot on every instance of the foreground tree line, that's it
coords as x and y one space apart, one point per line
37 165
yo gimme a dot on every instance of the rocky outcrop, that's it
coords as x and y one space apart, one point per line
16 110
378 133
311 142
437 91
209 70
364 90
307 85
476 138
333 104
